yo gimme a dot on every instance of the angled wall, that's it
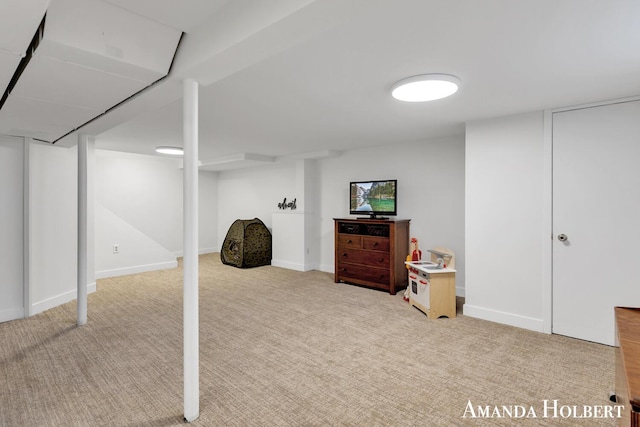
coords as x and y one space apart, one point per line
135 253
139 209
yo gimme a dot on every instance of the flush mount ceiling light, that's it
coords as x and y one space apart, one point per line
425 87
174 151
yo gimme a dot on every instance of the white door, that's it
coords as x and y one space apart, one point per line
11 233
596 205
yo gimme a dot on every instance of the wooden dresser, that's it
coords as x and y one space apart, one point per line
628 365
372 252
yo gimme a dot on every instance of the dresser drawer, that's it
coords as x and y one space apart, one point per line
349 241
375 243
369 258
348 271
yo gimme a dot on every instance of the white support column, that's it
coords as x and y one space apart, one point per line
83 160
26 228
190 260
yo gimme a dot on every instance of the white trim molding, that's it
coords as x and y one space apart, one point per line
135 269
57 300
504 318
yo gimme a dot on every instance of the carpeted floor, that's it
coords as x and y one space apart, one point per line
284 348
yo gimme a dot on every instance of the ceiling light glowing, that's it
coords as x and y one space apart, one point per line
425 87
174 151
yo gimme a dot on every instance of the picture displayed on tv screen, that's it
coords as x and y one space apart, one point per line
373 197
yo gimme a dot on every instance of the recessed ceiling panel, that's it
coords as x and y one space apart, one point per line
111 32
41 120
237 161
18 23
52 80
96 60
90 57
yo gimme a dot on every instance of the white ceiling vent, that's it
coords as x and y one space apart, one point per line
92 55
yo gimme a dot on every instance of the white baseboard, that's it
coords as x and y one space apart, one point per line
11 314
460 291
135 269
503 317
201 251
41 306
292 265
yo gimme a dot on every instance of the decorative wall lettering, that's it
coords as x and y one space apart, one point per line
290 205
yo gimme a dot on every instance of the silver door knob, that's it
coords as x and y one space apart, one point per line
563 237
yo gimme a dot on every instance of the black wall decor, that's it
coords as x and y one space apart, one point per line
287 205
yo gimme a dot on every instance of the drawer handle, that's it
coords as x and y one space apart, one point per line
349 241
423 282
344 269
344 255
375 244
381 260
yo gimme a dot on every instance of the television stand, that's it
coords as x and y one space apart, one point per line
371 252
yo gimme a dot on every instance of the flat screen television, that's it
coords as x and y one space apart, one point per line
373 198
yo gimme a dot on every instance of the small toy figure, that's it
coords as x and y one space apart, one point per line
416 253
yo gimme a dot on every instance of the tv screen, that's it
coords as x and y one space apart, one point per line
373 198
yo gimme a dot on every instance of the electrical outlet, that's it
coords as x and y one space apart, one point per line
116 249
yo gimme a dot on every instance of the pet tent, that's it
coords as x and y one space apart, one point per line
247 244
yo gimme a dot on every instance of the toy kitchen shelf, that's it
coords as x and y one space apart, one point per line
432 290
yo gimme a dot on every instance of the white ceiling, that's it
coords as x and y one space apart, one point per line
183 15
288 77
88 56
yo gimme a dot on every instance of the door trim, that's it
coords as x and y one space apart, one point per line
547 218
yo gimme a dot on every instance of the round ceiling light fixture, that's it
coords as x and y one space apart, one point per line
425 87
173 151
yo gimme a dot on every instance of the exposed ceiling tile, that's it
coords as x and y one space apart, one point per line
56 81
18 23
42 120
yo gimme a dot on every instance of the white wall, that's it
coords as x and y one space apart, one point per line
11 228
144 195
145 191
295 232
430 192
253 193
430 178
136 252
139 201
207 212
136 185
288 240
505 202
53 226
311 203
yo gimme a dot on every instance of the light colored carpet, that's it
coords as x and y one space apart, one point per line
283 348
